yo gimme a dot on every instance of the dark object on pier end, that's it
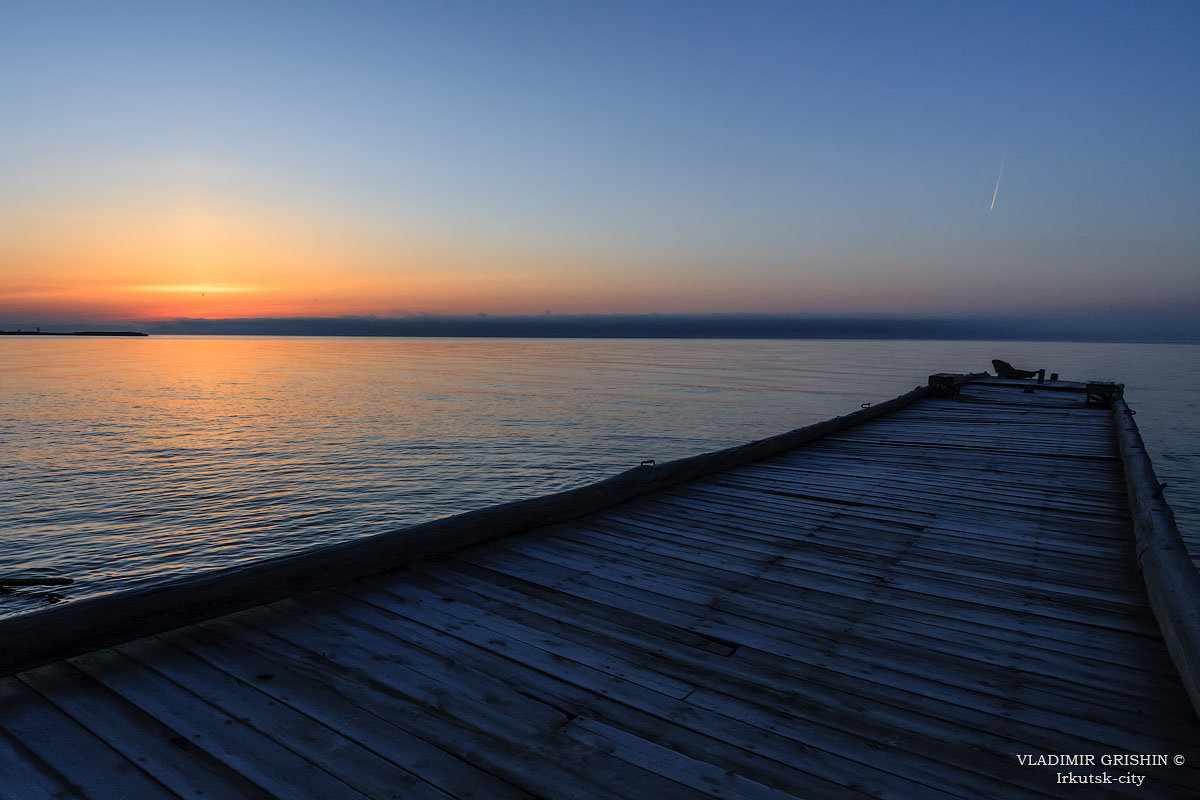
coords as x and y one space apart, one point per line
1007 370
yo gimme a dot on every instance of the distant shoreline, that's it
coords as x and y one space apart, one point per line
1165 327
73 333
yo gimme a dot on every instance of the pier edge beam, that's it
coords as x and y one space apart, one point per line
1171 579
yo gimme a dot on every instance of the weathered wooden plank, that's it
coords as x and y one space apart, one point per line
836 492
907 561
170 758
836 740
747 520
26 777
259 758
876 495
544 762
546 648
908 662
724 673
916 495
912 438
69 754
357 767
322 698
999 463
1102 538
826 622
659 596
819 473
668 596
388 661
937 479
1019 716
992 471
718 673
801 574
842 540
697 775
583 689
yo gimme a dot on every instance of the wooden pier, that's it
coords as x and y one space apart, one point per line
902 603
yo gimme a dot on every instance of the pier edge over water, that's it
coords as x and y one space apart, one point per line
37 637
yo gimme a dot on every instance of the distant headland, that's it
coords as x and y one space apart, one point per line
72 333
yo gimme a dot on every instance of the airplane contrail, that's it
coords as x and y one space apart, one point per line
998 176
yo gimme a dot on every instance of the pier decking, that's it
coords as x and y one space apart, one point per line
895 610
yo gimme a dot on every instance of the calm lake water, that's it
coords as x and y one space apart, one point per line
133 460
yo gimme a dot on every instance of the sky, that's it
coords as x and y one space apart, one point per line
167 160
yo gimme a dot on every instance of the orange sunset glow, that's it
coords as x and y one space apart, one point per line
149 265
191 264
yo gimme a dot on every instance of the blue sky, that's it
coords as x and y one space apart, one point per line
660 156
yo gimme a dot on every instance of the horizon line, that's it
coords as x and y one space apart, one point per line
1060 327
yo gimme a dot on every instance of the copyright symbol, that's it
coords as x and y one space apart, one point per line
1179 761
